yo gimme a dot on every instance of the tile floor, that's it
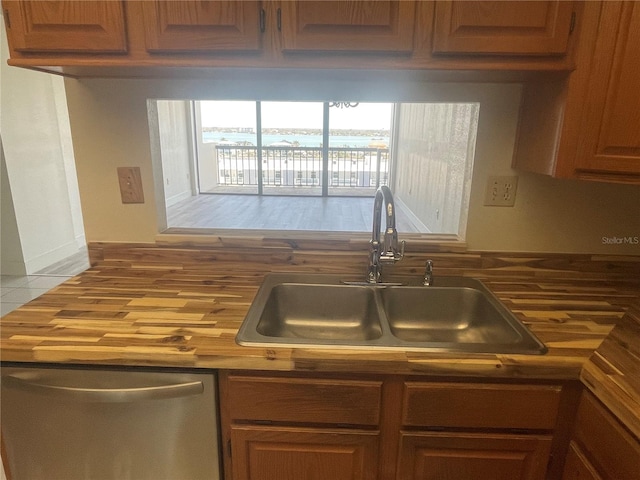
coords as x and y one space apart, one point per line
16 290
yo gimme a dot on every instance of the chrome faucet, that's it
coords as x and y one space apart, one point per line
386 252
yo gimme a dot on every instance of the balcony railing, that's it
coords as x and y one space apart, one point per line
302 166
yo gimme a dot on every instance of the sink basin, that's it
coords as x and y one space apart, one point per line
451 315
455 314
328 313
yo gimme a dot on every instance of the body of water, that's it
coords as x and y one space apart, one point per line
304 140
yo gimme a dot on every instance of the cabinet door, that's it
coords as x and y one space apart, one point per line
66 26
353 25
269 453
448 456
612 449
499 27
611 128
201 26
577 467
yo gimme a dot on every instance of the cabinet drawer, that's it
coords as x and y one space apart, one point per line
480 405
304 400
611 448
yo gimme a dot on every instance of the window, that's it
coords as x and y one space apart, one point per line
423 151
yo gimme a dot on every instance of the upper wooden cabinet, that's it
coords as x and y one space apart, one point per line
52 35
587 125
353 25
504 28
57 26
610 140
195 26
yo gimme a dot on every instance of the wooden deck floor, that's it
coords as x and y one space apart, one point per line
331 214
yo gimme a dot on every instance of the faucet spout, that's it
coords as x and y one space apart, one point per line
387 251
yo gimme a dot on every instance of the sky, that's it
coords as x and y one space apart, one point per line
368 116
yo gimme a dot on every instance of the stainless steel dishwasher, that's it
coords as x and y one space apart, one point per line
122 425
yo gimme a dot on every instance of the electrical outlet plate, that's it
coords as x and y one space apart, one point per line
130 182
501 191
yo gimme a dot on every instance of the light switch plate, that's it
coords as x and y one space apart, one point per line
130 182
501 191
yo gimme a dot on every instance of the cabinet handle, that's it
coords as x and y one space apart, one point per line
572 25
106 395
262 20
279 19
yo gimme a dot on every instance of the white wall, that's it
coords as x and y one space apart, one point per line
11 257
207 159
40 168
175 149
435 149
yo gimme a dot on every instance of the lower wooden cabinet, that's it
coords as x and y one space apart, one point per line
468 456
281 453
278 426
600 448
577 466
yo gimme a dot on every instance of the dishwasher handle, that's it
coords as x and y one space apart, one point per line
105 395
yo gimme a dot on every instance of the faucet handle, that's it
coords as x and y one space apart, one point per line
399 256
392 255
428 273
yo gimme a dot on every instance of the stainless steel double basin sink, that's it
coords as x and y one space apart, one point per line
455 314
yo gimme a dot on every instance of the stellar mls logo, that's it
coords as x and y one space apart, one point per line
620 240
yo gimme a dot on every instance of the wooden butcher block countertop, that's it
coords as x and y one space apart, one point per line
142 305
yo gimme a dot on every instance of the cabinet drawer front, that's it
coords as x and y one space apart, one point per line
609 445
304 400
480 405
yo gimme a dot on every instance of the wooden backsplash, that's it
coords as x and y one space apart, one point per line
351 257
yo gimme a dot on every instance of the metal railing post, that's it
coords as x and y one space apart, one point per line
378 159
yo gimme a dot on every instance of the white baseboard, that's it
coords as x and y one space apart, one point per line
177 198
81 241
43 260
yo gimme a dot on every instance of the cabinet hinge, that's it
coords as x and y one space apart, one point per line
572 25
7 19
229 448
